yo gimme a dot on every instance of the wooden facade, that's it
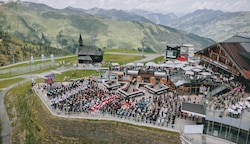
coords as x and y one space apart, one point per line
232 58
217 57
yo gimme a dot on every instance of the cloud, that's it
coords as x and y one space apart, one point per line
203 5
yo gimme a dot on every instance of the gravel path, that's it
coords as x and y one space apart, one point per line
6 129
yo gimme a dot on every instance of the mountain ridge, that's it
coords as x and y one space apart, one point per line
214 24
217 25
61 28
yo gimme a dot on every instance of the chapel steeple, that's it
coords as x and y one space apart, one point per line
80 40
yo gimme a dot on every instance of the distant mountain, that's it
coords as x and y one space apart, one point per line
70 9
217 25
61 28
213 24
117 14
36 6
158 18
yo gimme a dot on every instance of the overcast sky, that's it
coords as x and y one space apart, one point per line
165 6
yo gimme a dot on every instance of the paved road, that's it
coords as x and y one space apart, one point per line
6 127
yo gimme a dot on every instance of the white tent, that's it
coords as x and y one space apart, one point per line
187 68
162 74
196 70
205 73
180 62
130 64
156 65
150 64
164 65
168 62
139 64
189 73
133 72
193 60
178 65
115 64
199 66
167 65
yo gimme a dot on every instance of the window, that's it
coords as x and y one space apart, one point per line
171 53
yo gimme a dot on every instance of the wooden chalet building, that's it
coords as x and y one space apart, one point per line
89 54
231 57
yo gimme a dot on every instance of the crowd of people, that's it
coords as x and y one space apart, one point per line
232 104
87 95
90 97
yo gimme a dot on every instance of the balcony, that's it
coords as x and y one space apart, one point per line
221 65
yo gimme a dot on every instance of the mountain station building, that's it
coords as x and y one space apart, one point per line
232 58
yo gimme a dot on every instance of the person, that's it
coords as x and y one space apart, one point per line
173 123
248 106
33 82
243 91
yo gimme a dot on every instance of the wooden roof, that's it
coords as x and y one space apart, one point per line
239 54
234 50
89 50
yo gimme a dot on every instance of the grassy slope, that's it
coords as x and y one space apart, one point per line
6 83
0 130
158 59
119 58
32 123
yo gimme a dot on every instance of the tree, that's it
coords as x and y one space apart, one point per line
59 38
64 42
3 59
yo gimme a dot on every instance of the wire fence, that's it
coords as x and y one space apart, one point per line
27 69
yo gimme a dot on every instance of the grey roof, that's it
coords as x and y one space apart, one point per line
246 46
239 39
174 45
195 109
89 50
